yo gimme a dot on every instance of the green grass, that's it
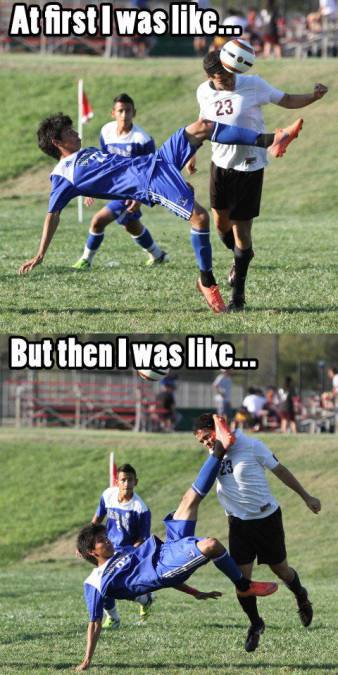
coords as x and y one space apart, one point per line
292 279
50 484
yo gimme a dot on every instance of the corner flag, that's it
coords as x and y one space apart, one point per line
85 113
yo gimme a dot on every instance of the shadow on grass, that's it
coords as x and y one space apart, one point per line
241 667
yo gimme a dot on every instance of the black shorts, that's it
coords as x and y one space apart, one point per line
238 192
262 538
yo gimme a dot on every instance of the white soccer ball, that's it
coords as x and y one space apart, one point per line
153 375
237 56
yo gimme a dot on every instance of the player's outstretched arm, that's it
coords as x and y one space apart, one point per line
198 595
93 634
293 101
49 228
291 482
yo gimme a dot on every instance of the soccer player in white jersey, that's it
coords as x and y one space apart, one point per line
125 138
236 176
255 518
128 521
156 564
151 179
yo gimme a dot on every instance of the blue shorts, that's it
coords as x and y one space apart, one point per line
167 186
117 207
179 555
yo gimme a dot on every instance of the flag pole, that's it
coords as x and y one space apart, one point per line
79 128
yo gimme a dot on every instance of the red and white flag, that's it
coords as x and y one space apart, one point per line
87 111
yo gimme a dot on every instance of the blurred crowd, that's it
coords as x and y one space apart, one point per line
279 409
273 33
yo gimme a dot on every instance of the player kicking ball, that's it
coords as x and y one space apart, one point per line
155 564
151 179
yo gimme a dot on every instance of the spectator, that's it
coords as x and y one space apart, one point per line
270 30
163 413
253 403
270 415
222 386
287 406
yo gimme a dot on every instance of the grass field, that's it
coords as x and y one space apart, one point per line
291 284
50 485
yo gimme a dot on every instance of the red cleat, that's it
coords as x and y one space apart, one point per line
212 296
260 588
283 138
223 432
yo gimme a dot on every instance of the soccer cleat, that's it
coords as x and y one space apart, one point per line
283 138
305 610
163 258
111 623
260 588
223 432
236 304
212 296
82 265
145 610
254 633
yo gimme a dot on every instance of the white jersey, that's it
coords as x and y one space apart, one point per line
241 107
135 142
242 488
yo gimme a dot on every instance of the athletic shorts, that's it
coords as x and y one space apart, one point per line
118 207
262 538
179 555
239 192
167 186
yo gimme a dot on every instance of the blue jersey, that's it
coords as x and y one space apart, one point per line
149 567
127 522
92 173
151 179
136 142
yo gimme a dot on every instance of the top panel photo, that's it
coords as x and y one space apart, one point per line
169 184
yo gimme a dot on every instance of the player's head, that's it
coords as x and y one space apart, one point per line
126 480
57 137
93 544
123 110
204 430
220 77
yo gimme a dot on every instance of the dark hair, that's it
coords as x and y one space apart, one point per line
126 468
50 130
123 98
86 540
204 421
212 63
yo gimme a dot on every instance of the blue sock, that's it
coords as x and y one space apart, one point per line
229 135
226 564
200 241
94 241
144 239
207 475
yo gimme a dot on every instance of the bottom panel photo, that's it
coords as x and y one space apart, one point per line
169 504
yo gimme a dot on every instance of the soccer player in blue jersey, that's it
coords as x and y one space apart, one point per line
155 564
121 137
128 522
151 179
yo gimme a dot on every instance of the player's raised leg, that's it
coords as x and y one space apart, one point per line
276 142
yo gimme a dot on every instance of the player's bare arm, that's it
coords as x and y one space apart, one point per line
97 520
291 482
49 228
93 634
293 101
191 166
